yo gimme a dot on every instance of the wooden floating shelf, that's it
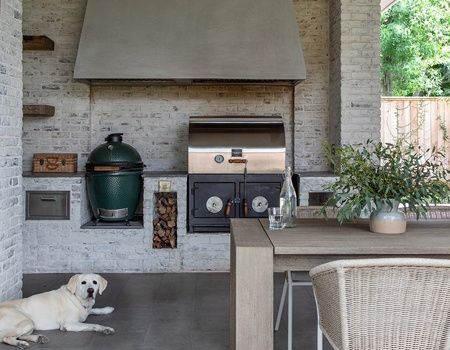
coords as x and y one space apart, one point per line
38 111
38 42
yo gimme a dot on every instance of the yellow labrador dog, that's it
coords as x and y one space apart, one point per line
65 309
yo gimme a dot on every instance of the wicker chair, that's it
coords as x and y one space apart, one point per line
384 304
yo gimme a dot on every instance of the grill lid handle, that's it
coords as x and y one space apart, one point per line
117 137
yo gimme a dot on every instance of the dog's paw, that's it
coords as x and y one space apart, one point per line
22 344
108 309
107 330
63 328
42 339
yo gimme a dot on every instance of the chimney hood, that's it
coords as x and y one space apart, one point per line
181 42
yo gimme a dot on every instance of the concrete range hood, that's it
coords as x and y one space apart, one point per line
179 42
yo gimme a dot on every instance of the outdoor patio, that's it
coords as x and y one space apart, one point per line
168 312
210 158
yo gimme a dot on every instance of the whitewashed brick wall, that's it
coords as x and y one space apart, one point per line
47 77
10 149
334 108
52 245
84 117
339 100
311 96
341 89
155 119
355 69
313 183
61 246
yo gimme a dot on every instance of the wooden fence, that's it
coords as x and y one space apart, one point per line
424 121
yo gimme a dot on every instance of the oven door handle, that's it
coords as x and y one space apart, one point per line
228 208
245 207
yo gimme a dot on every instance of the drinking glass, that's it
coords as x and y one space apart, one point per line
275 218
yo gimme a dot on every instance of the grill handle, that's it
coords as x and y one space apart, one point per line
106 168
228 208
238 161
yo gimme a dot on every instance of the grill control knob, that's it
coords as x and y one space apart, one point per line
214 204
260 204
219 158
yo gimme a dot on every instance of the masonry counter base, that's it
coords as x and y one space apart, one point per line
136 223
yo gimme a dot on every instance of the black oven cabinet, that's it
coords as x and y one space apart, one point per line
214 199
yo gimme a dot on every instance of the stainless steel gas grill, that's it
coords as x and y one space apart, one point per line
235 166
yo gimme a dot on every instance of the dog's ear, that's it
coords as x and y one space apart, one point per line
102 284
72 284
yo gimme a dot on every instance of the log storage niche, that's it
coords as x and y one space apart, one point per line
165 220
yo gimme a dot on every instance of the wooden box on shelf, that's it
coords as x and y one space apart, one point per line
55 162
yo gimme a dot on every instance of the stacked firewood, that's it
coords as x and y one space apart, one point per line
165 220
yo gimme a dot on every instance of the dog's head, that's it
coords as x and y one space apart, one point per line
86 286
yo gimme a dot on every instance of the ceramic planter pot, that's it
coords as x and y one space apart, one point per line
388 220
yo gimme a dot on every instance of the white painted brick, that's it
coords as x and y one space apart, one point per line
61 246
143 113
340 95
311 96
354 78
10 149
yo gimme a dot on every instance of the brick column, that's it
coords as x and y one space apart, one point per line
11 209
354 71
311 96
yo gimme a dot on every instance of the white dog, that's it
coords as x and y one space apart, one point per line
65 309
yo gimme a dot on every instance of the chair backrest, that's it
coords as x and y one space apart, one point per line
381 304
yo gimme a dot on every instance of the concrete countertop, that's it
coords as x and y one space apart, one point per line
164 173
316 174
83 173
31 174
160 174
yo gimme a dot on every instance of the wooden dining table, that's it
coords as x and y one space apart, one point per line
257 252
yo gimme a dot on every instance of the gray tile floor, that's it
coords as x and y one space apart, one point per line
169 312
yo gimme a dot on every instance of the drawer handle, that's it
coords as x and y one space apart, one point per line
48 199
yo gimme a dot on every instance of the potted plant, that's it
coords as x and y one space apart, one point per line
375 178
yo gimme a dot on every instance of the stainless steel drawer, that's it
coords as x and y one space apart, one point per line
48 205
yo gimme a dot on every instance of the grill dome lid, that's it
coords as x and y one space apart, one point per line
115 152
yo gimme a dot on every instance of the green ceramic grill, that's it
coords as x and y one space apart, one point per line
114 180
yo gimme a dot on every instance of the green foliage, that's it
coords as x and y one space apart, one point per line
415 48
373 174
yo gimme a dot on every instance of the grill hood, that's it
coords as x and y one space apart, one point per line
190 42
227 145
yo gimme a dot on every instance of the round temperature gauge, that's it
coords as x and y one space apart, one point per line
214 204
260 204
219 158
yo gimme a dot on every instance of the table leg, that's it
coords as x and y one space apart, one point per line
251 304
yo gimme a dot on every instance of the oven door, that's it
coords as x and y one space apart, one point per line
212 202
259 196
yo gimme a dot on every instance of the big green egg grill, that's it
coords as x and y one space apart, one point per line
114 180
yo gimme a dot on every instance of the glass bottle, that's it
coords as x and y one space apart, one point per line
288 200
